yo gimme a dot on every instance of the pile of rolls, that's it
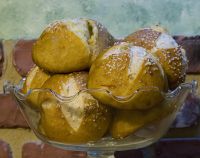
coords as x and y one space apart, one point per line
124 79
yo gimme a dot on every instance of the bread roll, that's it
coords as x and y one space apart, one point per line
170 55
79 120
70 45
35 79
127 71
126 122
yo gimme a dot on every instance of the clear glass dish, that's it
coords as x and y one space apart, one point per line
107 145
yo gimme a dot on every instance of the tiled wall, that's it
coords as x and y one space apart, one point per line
18 141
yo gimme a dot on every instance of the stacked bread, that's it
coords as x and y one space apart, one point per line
114 86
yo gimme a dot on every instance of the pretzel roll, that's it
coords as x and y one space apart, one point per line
70 45
126 122
129 72
170 55
35 79
78 120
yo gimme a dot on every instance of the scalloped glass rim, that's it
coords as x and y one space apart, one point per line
17 89
106 143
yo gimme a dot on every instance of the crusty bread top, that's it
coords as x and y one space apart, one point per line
79 27
94 38
100 39
144 37
151 38
35 79
119 67
70 85
162 45
31 75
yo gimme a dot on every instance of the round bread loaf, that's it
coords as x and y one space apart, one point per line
129 73
71 45
170 55
77 120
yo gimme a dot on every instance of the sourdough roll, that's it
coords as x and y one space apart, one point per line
127 71
35 79
78 120
170 55
70 45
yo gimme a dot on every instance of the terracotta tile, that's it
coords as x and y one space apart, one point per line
22 56
36 150
192 47
5 151
10 115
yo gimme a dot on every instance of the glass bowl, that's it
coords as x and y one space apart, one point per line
107 145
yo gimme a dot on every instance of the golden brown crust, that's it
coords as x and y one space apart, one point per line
145 38
35 79
72 45
91 119
126 122
60 50
81 79
123 70
171 56
173 65
53 119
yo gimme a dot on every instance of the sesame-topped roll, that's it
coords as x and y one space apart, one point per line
170 55
76 120
70 45
127 71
